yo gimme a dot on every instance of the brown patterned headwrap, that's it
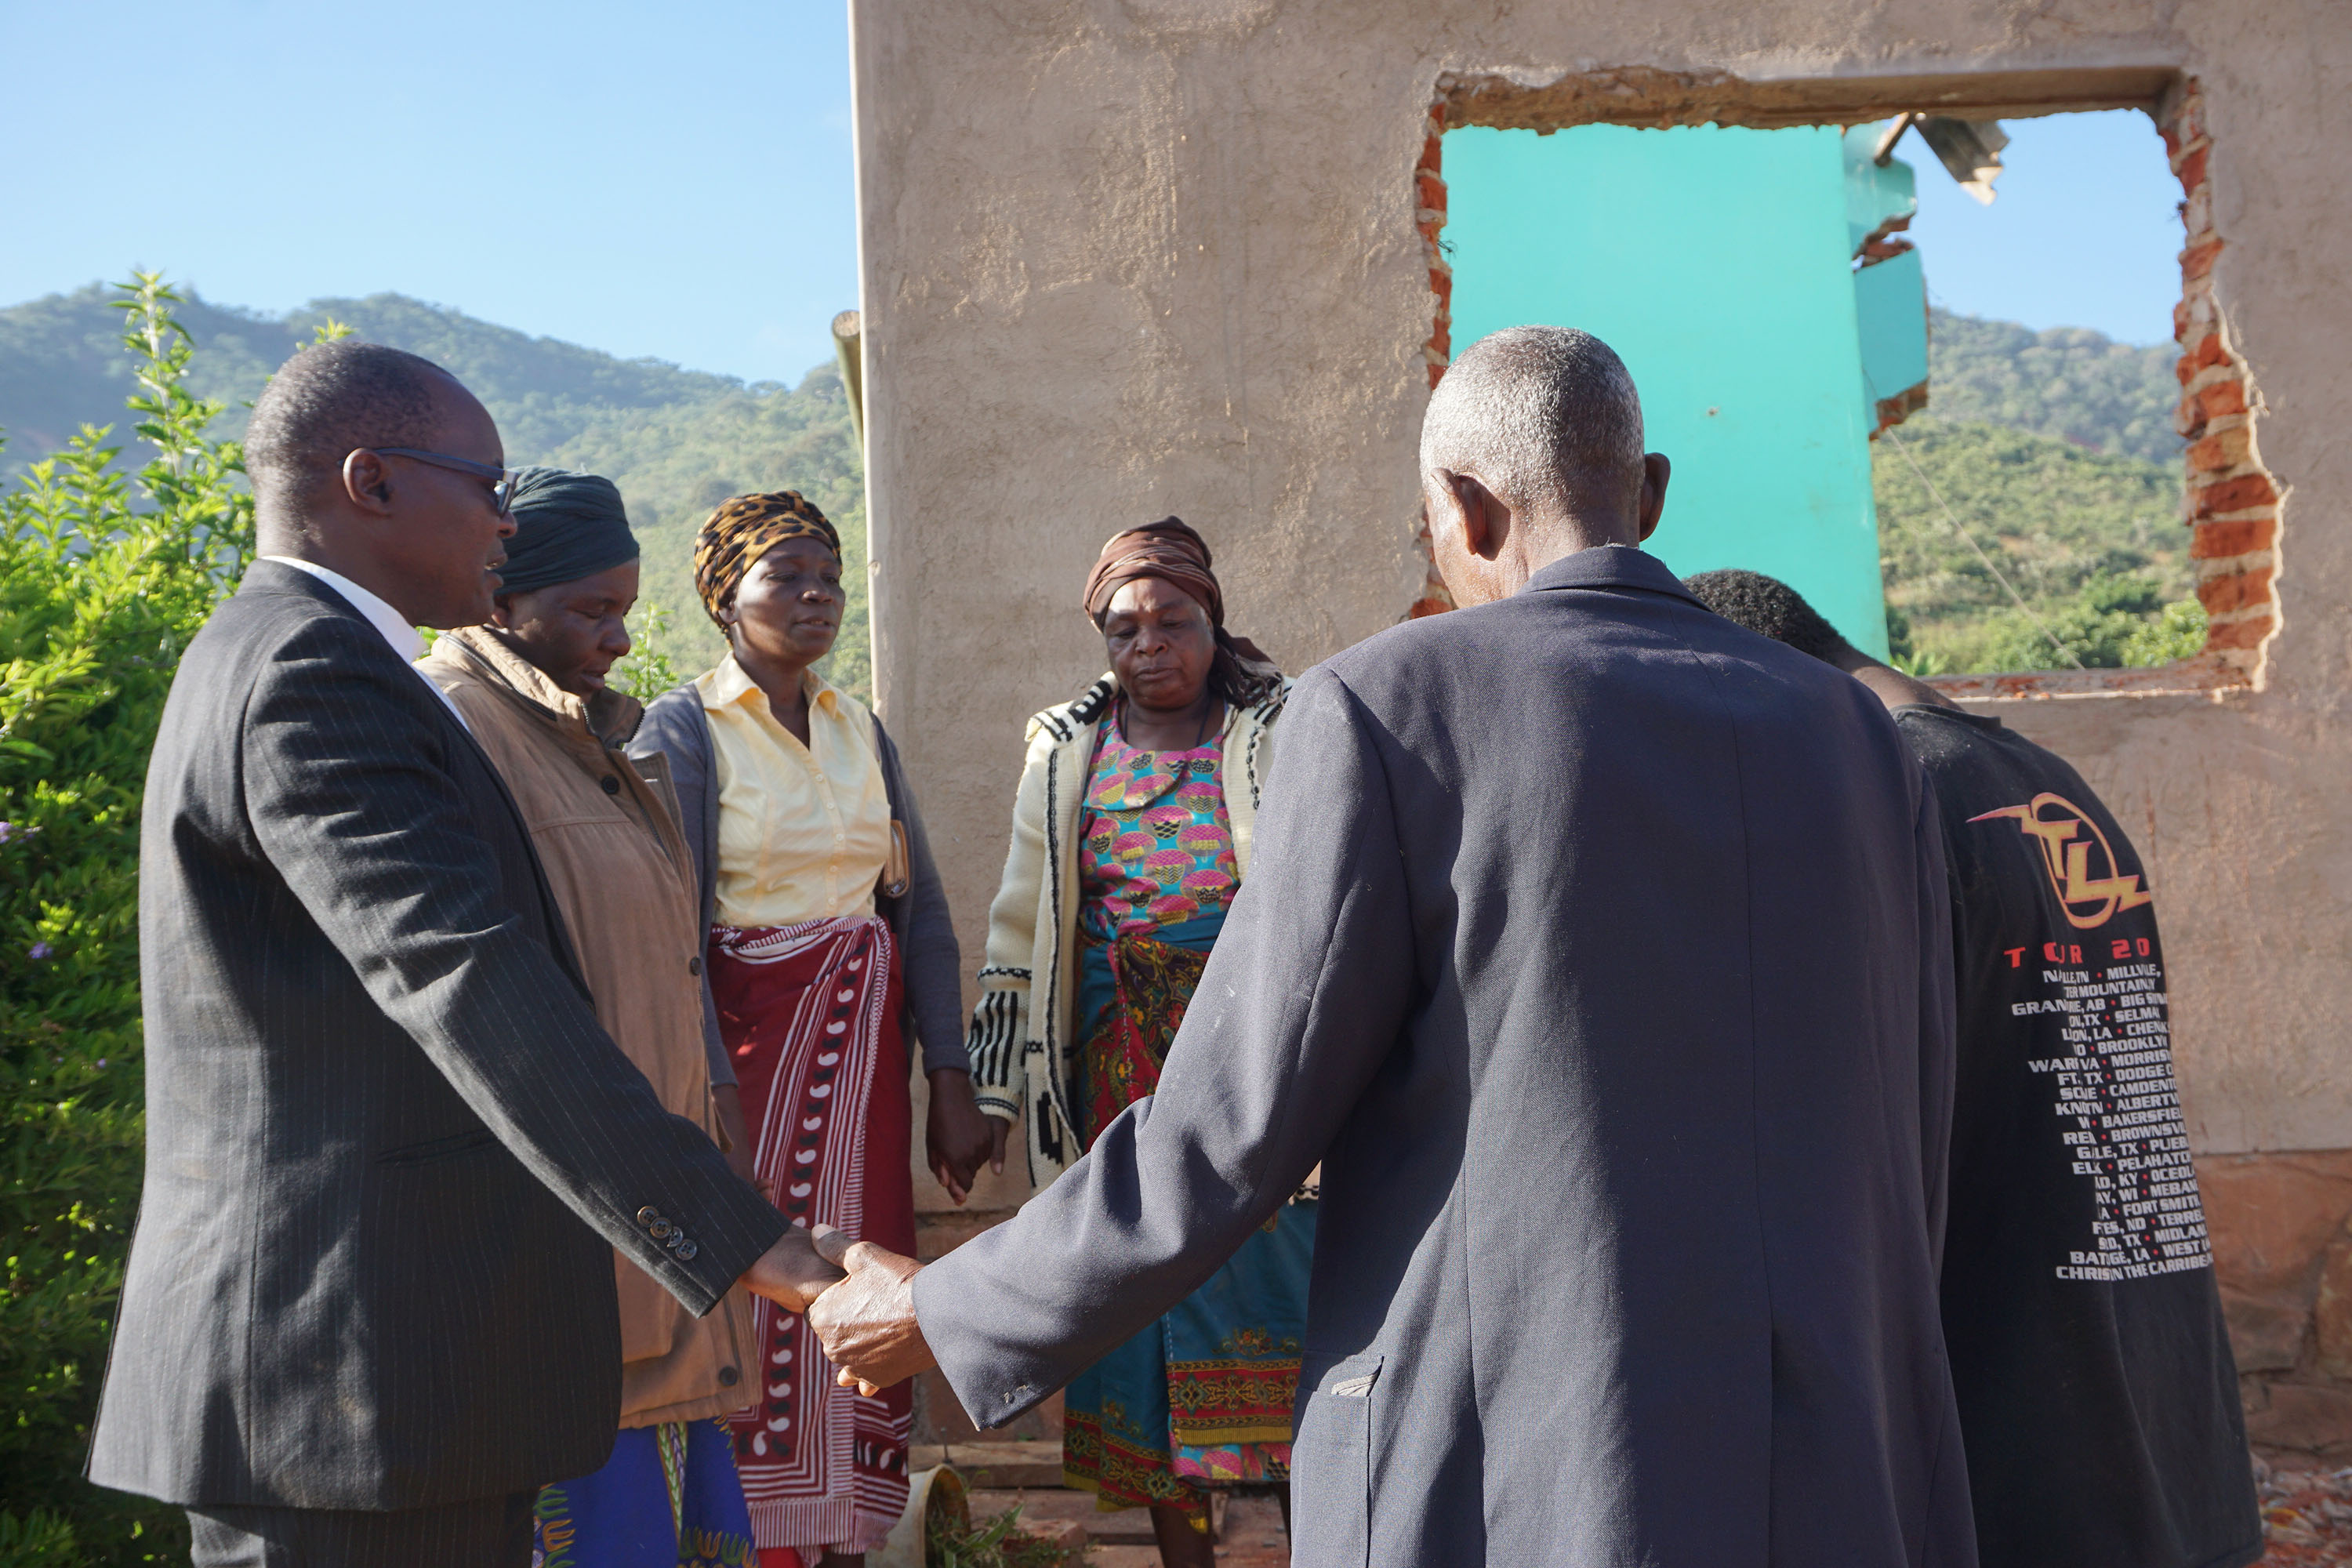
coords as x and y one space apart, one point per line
1168 549
1171 550
740 532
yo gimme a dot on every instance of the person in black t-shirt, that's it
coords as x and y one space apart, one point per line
2098 1398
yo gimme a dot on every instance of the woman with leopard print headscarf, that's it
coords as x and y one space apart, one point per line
829 945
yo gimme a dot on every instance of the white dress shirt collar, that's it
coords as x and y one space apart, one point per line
391 626
402 639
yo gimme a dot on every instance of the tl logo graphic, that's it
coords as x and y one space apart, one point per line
2055 822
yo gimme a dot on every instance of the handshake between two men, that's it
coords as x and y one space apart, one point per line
858 1297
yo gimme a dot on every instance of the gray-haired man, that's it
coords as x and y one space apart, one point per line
1598 950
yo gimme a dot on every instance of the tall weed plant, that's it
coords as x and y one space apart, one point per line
104 578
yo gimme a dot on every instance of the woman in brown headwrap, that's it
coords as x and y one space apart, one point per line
1141 798
830 944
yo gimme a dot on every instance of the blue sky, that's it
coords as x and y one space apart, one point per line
676 181
663 180
2085 231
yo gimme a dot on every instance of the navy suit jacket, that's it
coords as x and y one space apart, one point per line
389 1151
1598 950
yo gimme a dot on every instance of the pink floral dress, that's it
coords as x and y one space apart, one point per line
1156 847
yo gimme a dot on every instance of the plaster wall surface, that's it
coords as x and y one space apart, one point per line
1123 258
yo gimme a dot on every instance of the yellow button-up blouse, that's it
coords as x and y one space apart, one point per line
803 831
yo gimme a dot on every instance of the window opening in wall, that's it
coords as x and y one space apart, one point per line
2030 513
1921 368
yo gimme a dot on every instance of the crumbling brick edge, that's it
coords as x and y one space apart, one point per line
2233 503
1429 218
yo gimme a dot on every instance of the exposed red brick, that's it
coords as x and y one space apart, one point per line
1431 605
2238 591
2186 123
2245 634
2192 168
2222 399
2222 450
2227 541
2197 259
2207 350
2240 494
2332 1313
1430 189
2239 536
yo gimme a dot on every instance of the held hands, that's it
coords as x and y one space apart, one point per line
792 1274
867 1323
958 1135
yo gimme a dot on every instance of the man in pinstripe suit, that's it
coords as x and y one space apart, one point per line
370 1305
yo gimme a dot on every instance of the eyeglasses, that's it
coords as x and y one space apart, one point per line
501 491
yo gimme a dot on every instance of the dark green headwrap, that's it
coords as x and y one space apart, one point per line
567 526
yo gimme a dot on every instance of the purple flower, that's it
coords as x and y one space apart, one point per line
39 950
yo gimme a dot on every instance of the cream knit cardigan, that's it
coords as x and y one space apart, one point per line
1022 1033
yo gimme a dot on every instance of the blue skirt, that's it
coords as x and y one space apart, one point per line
1202 1397
669 1497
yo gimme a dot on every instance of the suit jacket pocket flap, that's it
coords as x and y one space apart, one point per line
434 1149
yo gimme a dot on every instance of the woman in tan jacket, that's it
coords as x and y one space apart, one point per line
530 686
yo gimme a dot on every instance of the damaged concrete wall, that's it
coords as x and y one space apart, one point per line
1123 258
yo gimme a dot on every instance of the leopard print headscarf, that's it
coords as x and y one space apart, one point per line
740 532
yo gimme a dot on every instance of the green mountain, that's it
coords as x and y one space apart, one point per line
676 441
2068 382
2045 469
2053 451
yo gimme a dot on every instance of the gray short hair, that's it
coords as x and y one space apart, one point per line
1540 415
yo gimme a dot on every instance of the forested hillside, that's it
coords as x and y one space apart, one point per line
2068 382
2054 450
676 441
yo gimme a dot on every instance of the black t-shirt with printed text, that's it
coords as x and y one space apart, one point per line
2097 1393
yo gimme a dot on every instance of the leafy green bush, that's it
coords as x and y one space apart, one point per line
103 580
998 1543
2091 541
650 667
2110 623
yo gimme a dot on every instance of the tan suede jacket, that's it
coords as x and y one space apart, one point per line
608 837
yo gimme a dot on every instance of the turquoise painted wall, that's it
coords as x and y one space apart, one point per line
1717 262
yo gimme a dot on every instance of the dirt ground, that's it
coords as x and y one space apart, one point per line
2307 1521
2306 1516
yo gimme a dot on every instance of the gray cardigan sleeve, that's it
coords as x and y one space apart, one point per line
675 726
925 930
